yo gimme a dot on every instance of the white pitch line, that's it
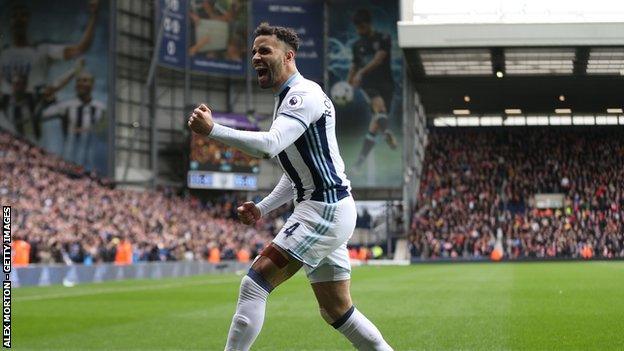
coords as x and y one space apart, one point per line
116 290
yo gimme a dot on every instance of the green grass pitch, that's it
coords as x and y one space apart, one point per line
508 306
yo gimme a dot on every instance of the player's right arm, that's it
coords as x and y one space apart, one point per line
292 120
249 212
381 54
73 51
284 131
351 74
354 65
377 60
54 110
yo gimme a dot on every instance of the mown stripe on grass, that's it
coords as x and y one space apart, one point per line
123 289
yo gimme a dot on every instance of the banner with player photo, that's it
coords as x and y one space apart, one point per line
365 83
218 36
54 77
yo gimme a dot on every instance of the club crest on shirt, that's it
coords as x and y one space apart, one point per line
295 101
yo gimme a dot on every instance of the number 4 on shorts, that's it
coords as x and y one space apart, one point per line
290 230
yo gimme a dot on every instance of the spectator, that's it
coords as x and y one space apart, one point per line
69 216
477 181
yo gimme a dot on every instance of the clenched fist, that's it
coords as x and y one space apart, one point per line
248 213
201 121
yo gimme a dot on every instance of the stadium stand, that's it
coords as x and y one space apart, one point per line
479 182
475 183
69 216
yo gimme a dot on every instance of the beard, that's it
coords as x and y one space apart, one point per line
268 79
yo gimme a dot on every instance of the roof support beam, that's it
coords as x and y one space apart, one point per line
498 60
580 61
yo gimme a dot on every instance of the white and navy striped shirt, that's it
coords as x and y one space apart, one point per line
313 162
303 138
77 115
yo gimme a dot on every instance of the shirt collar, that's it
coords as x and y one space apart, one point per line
287 82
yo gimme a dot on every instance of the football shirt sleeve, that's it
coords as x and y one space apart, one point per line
280 194
302 107
283 132
53 51
54 109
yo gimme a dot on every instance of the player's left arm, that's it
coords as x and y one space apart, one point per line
284 131
72 51
279 196
66 77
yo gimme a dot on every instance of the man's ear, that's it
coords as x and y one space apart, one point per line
290 55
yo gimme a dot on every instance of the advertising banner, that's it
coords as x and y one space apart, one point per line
306 18
218 36
173 16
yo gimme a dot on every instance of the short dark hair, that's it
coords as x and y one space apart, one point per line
362 16
286 35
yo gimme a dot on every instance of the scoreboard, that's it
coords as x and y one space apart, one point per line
220 180
214 165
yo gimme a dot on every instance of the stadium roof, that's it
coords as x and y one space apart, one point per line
523 61
533 80
488 69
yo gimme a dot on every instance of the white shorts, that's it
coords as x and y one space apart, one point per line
316 234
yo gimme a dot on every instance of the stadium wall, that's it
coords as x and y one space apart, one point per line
151 132
45 275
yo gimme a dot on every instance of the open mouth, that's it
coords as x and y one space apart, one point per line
262 72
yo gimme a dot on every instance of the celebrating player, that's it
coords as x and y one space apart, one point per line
371 71
303 138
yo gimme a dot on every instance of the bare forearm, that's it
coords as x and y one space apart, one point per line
351 74
63 80
85 42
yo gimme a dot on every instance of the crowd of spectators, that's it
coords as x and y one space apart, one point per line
65 215
478 184
211 154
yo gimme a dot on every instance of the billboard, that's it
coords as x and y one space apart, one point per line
54 77
218 36
214 165
173 16
365 83
304 17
